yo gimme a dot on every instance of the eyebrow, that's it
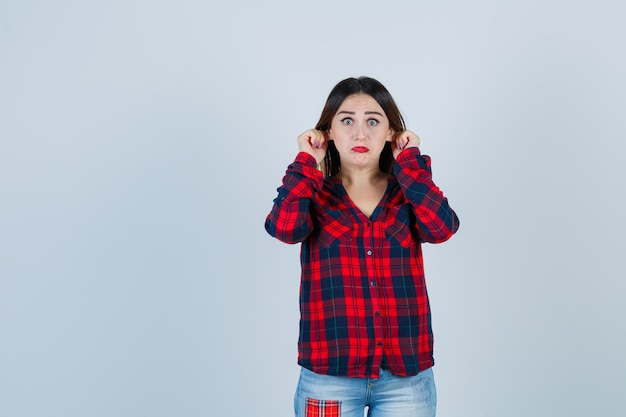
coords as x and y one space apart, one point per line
353 113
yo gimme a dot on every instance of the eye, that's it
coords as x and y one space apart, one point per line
347 121
372 122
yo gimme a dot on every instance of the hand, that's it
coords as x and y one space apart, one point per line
403 140
315 143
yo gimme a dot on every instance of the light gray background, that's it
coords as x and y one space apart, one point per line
141 144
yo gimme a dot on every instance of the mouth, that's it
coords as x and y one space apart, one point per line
360 149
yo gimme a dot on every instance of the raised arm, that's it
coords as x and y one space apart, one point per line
290 218
436 221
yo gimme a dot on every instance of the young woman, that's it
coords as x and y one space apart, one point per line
361 200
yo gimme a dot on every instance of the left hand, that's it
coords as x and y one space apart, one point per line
403 140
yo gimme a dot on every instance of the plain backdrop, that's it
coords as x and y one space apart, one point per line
141 145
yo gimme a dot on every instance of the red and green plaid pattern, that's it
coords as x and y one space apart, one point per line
363 293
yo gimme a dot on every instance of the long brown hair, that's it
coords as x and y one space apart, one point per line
362 85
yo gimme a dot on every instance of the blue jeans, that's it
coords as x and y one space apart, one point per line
389 396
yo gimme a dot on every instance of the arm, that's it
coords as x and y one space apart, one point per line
435 221
290 218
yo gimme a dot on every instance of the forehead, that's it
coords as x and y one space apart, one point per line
360 103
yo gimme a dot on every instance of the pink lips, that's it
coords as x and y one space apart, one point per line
360 149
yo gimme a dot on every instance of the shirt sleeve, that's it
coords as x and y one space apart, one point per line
435 220
290 218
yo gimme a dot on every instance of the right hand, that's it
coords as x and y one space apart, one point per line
315 143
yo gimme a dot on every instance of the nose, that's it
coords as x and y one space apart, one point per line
359 132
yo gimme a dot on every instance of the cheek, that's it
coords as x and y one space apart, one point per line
340 131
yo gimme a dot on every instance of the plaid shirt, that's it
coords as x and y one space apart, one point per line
363 294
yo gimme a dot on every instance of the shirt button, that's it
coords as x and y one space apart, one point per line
379 343
373 283
377 314
369 252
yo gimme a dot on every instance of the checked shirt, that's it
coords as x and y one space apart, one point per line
363 294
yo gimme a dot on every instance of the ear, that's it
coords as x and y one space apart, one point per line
390 135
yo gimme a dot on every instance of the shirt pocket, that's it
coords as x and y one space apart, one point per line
400 226
335 228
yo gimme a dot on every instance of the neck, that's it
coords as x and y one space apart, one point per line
365 176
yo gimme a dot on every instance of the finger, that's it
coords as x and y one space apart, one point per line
401 141
410 139
305 140
319 139
314 140
413 138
